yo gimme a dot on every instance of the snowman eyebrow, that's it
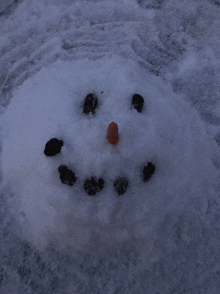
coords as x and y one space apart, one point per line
137 102
90 104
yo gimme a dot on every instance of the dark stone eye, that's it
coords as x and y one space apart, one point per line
93 185
138 102
90 104
148 171
66 175
120 185
53 147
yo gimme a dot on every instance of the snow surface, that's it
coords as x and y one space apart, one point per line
162 236
167 133
5 4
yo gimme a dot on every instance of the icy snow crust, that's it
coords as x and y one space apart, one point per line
168 133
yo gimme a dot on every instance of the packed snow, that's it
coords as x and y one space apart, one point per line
167 133
148 222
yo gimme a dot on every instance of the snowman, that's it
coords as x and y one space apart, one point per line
96 152
93 185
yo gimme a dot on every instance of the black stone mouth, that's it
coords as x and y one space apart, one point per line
93 184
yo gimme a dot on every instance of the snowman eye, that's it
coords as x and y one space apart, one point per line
137 102
148 171
90 104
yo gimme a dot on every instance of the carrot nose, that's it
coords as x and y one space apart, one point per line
112 133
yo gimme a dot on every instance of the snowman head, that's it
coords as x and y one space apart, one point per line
93 185
97 152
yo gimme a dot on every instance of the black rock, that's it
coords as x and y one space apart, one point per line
90 104
148 171
93 185
53 147
138 102
66 175
120 185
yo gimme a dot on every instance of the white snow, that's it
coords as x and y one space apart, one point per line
167 133
52 54
4 4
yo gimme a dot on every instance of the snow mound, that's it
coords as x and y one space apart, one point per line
167 133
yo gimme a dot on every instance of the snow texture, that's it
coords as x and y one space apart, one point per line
5 4
159 236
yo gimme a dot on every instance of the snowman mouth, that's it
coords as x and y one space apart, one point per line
93 185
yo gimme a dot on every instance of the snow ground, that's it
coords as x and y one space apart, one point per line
52 55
